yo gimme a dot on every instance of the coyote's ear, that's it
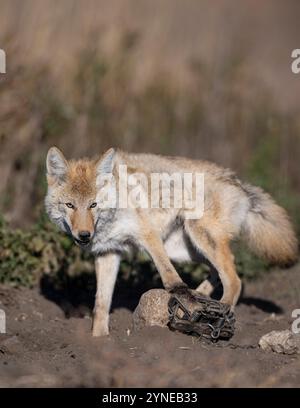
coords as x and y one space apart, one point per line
56 165
106 162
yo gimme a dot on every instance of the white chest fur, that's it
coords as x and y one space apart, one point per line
177 247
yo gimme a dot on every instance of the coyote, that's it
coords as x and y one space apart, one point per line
232 209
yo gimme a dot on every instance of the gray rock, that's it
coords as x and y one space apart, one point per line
152 309
283 342
10 344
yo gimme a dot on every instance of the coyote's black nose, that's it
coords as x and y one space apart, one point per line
84 236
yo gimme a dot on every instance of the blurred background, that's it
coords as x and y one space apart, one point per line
208 80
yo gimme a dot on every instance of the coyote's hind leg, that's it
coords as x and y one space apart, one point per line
208 286
217 251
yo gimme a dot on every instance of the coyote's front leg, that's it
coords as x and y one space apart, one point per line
107 267
153 244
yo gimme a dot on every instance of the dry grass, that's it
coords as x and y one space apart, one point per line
190 78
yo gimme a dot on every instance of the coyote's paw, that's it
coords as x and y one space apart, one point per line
178 288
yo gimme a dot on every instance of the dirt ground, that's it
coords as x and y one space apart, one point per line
43 347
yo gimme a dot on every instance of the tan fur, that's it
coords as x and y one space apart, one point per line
232 209
82 221
81 178
81 183
268 231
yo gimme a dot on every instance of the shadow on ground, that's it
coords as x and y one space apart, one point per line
75 295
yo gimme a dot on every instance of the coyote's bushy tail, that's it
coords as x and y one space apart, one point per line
268 229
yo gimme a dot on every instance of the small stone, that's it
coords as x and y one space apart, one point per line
152 309
283 342
10 344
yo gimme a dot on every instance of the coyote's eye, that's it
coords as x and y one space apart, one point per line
70 205
93 205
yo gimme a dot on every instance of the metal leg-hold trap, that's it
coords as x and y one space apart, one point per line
194 314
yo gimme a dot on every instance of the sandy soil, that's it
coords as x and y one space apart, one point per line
47 346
